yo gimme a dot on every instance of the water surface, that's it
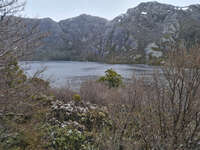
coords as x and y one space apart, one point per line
72 73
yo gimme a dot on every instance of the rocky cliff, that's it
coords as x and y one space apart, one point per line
131 37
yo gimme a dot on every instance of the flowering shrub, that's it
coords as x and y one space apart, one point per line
65 138
73 125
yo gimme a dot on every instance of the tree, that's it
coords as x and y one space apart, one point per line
174 111
16 40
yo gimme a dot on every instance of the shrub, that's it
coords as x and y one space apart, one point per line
66 138
77 98
13 141
73 125
112 78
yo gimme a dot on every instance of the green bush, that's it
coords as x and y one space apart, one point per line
11 75
112 78
64 138
13 141
77 98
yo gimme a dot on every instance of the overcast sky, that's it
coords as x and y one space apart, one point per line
62 9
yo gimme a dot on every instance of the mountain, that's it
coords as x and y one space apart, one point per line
132 37
83 35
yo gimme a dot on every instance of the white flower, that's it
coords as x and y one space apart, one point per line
70 131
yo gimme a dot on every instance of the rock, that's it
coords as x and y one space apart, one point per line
151 50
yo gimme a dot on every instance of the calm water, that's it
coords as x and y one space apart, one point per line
70 73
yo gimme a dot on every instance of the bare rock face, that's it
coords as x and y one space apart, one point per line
53 37
147 24
83 35
92 38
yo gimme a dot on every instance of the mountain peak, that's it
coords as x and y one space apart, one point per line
157 4
151 7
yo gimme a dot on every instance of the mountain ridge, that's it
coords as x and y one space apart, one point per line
127 38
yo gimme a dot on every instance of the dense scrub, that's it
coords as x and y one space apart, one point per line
160 114
32 118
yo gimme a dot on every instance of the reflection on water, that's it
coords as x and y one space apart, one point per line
63 73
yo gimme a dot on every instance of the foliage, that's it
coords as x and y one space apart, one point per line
64 138
112 78
78 115
163 114
14 141
77 98
23 108
11 73
73 125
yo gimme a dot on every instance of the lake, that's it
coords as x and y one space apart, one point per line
73 73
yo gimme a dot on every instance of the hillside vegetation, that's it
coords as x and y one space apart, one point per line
105 114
